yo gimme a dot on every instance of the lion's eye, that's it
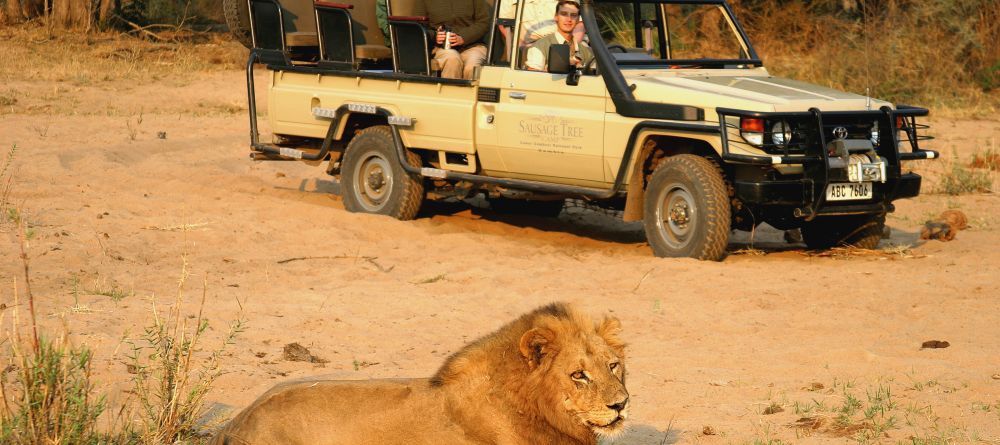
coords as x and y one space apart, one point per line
579 375
613 366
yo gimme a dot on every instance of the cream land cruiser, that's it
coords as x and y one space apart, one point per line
676 123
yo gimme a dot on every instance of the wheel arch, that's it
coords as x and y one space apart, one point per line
655 143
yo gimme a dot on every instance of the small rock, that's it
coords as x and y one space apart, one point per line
708 430
161 134
793 236
774 408
996 376
131 369
816 386
935 344
295 352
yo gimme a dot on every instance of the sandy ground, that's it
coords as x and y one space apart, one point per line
767 345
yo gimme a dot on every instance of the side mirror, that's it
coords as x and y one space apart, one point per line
559 63
559 59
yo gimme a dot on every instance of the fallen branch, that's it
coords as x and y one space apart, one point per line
142 29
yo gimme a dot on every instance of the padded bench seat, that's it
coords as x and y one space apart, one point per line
372 51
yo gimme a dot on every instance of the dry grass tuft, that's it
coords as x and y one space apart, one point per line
891 252
958 179
988 160
108 57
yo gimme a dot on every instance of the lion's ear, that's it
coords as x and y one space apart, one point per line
536 344
609 329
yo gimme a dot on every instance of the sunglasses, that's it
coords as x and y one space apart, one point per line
572 15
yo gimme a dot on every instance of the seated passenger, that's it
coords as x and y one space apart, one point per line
567 18
382 17
466 22
537 23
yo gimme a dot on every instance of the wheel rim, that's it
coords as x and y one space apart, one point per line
676 216
373 181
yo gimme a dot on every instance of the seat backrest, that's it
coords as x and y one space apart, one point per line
336 42
298 15
403 8
366 30
268 32
267 25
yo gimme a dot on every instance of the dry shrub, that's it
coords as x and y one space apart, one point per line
47 396
958 179
934 52
989 160
52 401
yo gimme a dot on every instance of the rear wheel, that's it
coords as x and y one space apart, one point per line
238 20
686 209
863 232
373 179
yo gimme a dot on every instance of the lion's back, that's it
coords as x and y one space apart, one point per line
334 412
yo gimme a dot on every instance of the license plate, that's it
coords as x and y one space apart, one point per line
849 192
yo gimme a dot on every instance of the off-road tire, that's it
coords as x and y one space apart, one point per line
863 232
699 226
545 209
373 181
238 20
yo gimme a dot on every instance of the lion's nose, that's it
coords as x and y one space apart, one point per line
620 406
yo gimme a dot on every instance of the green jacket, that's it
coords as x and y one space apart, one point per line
382 15
469 18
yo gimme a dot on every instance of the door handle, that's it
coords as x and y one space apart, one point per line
518 96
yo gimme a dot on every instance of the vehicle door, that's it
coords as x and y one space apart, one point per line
550 130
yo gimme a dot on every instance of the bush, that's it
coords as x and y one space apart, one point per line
961 180
53 400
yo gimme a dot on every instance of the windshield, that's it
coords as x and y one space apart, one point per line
681 34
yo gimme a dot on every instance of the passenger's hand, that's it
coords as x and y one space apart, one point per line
457 40
440 37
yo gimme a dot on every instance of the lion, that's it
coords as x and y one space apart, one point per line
552 376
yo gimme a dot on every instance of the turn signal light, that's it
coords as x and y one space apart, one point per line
752 124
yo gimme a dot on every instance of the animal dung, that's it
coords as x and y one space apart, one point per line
935 344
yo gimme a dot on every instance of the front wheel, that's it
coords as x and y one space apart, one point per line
686 209
373 179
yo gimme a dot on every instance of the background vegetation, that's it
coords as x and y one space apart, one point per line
935 53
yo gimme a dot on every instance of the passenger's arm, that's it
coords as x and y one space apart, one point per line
535 60
480 23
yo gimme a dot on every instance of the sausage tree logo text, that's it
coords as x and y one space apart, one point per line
551 132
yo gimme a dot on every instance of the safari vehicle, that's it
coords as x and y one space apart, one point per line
676 122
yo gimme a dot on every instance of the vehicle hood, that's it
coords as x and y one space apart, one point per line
748 92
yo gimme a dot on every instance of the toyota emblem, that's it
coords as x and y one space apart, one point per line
840 133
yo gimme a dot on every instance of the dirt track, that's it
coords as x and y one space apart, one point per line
711 344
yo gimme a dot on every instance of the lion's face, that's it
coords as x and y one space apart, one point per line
583 375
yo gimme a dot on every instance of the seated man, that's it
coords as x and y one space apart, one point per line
567 18
466 22
536 21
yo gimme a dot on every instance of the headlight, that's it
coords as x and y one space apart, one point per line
752 130
874 135
781 133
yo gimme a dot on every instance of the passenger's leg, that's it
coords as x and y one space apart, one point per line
472 57
450 62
